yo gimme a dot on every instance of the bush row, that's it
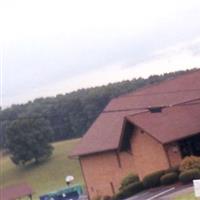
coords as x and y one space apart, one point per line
164 177
169 178
131 178
129 190
190 162
185 173
158 178
189 175
153 179
189 169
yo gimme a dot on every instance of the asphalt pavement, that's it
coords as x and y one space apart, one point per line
161 193
164 193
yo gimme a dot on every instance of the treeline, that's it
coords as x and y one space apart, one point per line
71 114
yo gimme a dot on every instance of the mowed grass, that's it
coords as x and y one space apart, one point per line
46 177
189 196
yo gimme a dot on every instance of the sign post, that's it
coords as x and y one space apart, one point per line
196 184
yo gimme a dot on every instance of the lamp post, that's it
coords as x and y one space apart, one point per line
68 180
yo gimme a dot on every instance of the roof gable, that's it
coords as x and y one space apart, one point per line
173 123
105 133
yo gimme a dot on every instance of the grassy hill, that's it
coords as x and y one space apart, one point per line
46 177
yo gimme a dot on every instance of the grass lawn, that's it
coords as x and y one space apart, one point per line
47 176
189 196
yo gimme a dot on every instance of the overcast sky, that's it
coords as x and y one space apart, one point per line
51 47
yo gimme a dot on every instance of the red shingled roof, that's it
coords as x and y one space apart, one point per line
171 124
103 135
106 131
169 92
15 191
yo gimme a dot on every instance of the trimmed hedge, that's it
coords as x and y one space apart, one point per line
131 178
189 175
169 178
129 191
173 169
153 179
119 196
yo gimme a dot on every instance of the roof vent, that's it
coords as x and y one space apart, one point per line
155 109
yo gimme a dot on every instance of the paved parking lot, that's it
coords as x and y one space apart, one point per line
165 193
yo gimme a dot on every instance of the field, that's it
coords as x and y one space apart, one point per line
47 176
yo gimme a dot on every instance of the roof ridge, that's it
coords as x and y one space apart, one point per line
147 107
139 113
186 73
185 103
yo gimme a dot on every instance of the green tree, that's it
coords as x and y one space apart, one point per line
71 114
28 140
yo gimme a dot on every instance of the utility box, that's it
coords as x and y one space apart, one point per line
68 193
196 184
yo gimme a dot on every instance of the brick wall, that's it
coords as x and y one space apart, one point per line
174 154
103 172
149 155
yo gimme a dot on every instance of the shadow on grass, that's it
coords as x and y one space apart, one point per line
33 165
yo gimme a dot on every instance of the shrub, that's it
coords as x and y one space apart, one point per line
120 195
153 179
169 178
129 190
97 197
131 178
173 169
189 175
190 162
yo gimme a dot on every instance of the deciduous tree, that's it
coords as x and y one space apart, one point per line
28 140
